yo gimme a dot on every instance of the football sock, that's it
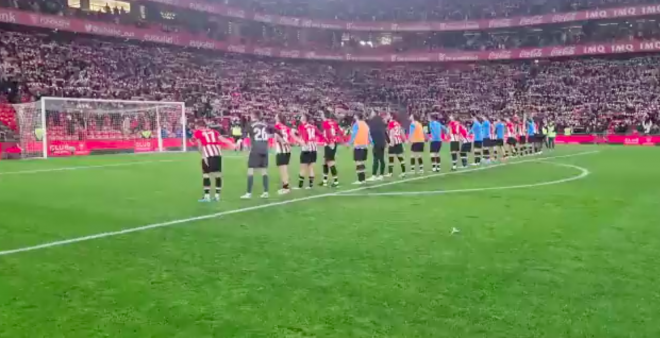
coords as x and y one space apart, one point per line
454 159
402 161
333 171
250 183
464 159
390 166
412 163
325 172
285 186
477 157
218 185
311 181
207 186
301 181
487 154
420 164
264 179
360 172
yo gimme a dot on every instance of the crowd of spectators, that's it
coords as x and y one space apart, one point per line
421 10
591 95
271 35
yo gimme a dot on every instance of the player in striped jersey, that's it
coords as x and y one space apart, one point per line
455 140
511 140
466 145
209 143
283 153
395 150
332 135
308 133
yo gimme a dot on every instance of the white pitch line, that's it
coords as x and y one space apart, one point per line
583 173
123 164
257 207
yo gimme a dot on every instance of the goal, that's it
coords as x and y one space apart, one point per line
57 126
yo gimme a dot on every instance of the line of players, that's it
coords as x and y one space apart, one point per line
487 141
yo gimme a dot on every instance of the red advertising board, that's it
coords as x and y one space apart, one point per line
194 41
146 146
420 26
628 140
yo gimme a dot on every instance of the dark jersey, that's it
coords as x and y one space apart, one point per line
259 134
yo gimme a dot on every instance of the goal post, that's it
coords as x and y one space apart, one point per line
56 126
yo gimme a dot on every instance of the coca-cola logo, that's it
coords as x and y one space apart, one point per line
34 18
53 22
160 38
290 54
307 23
500 23
531 20
566 17
413 58
566 51
263 51
531 53
289 21
442 57
499 55
393 58
237 13
236 49
394 27
201 44
263 17
196 6
8 17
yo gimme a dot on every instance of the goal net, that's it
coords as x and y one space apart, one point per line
55 127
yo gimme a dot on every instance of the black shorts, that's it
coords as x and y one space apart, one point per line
488 142
330 153
214 165
478 144
396 149
539 138
417 147
511 141
523 139
308 157
436 146
257 161
499 142
282 159
454 146
466 147
360 154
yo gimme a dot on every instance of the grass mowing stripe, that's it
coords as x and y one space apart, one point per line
263 206
583 173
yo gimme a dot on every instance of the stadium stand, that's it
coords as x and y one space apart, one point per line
590 94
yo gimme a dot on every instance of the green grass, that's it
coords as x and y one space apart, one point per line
578 259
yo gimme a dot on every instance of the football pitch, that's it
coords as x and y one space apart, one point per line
565 244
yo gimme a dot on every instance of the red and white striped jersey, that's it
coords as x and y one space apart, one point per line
331 131
283 146
510 129
396 133
522 131
210 142
454 130
463 134
309 133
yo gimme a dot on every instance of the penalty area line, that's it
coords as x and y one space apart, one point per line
583 174
259 207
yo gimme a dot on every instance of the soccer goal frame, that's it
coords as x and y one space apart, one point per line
35 126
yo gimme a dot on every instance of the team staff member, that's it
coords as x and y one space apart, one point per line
416 138
360 140
396 139
551 133
378 133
